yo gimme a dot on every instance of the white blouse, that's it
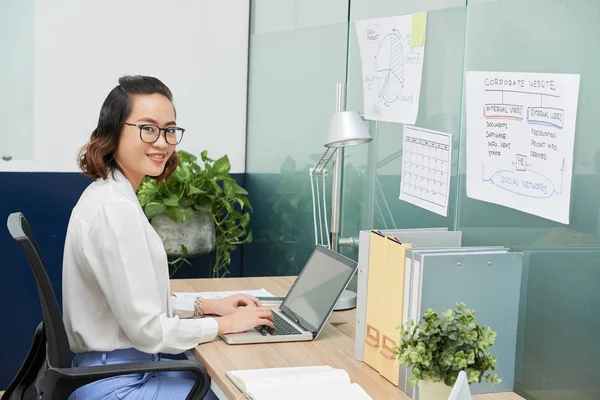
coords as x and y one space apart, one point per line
116 279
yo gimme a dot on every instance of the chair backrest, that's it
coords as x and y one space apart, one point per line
461 389
58 352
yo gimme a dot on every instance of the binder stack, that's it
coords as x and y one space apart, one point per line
403 273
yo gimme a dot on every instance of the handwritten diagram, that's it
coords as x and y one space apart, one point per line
391 67
520 140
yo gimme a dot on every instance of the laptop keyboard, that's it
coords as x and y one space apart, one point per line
282 327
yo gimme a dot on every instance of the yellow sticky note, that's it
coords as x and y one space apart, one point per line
418 29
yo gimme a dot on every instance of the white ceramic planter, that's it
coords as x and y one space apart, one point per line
197 233
434 390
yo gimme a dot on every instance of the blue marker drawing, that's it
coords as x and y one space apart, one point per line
527 183
562 173
545 116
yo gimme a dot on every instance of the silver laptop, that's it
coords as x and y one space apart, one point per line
309 303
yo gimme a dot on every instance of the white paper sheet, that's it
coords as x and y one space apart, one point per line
520 140
219 295
391 66
426 162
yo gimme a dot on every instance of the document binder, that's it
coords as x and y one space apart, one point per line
421 237
413 294
488 282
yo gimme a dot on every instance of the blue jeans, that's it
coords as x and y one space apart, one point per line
155 386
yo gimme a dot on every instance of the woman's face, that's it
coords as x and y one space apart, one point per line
137 158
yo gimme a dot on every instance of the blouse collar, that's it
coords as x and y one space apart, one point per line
123 184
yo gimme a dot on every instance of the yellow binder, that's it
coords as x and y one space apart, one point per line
392 287
375 300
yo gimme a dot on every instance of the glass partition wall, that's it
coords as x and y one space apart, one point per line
557 356
297 56
300 49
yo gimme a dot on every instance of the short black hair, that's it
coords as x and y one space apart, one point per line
96 158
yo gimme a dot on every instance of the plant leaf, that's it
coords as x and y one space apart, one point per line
245 220
228 206
246 202
222 165
186 157
153 209
182 173
177 214
172 201
204 156
194 190
147 191
204 204
230 188
216 187
240 190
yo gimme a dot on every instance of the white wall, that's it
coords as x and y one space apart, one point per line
16 78
199 48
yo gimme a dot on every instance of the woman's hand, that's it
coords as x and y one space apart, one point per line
228 305
244 319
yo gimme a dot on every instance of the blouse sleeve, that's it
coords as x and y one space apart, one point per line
117 253
182 307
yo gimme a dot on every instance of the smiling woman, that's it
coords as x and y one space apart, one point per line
139 147
116 302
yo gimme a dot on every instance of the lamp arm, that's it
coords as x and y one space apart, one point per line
324 160
325 210
319 212
312 187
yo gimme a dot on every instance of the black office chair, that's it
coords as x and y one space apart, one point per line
46 373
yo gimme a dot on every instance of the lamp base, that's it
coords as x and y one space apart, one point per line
347 301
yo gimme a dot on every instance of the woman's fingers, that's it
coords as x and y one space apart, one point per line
264 312
267 322
255 301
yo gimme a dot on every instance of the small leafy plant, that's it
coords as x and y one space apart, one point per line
437 349
211 190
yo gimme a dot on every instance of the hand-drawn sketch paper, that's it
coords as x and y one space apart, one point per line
520 140
426 161
392 66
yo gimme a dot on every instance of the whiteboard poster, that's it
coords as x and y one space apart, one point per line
426 161
392 51
520 140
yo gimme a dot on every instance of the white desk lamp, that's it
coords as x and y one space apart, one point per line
345 129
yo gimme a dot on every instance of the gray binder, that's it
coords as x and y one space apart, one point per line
412 293
488 283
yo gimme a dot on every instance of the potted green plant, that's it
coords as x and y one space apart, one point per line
437 349
198 210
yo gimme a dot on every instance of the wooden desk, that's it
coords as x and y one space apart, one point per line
334 347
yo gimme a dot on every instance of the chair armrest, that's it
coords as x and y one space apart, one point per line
73 378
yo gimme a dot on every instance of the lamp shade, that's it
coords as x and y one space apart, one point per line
347 129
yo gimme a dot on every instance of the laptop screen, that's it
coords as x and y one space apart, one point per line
318 287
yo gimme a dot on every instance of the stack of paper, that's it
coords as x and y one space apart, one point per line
219 295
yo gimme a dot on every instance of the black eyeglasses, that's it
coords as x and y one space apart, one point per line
150 133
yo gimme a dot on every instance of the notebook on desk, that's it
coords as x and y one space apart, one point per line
297 383
309 303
